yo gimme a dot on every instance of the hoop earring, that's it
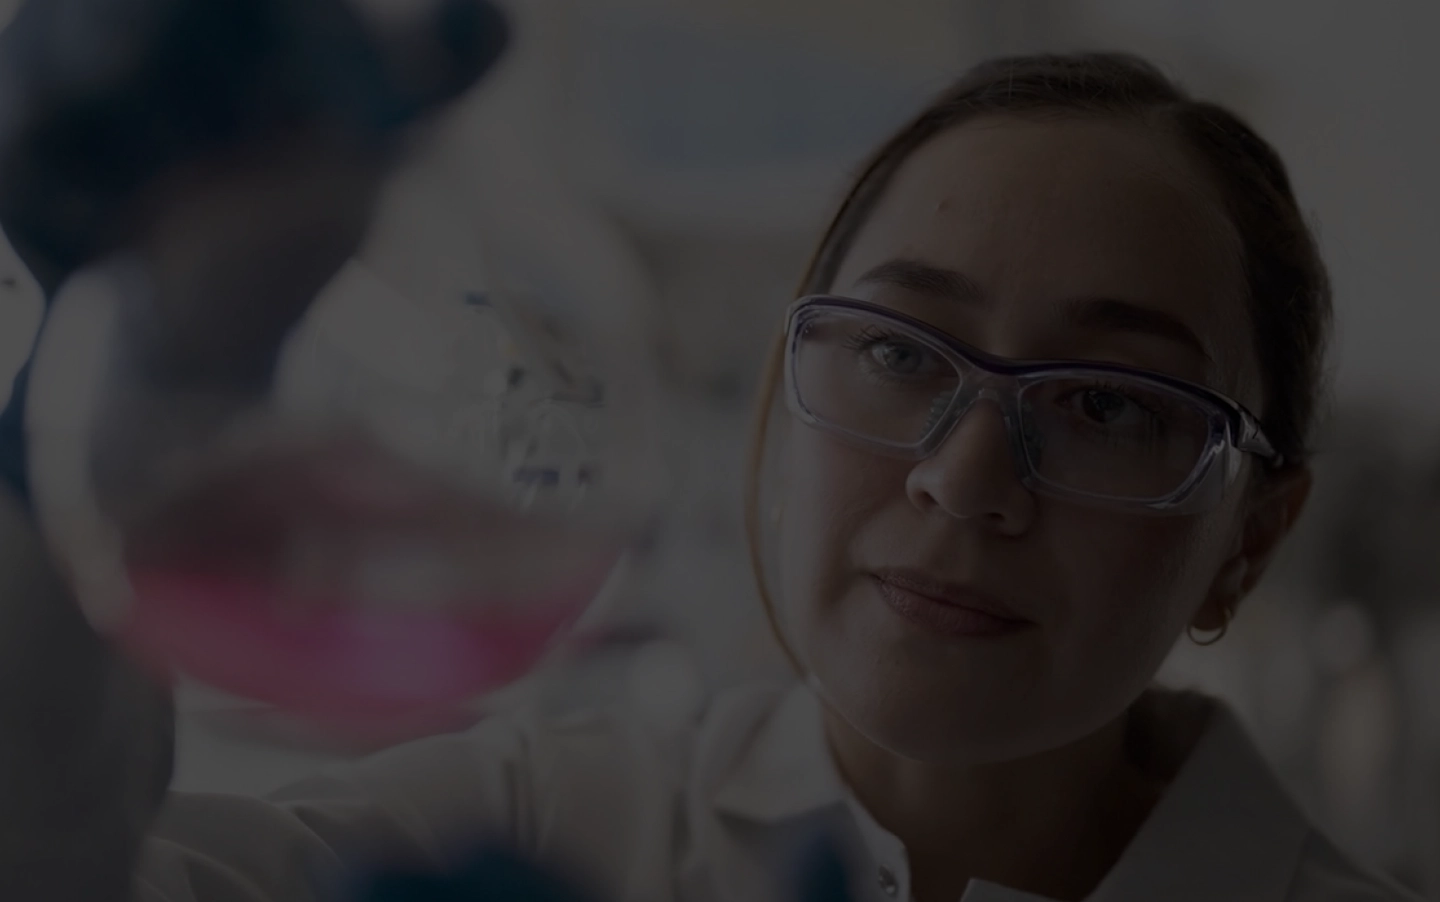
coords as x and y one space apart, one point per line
1215 639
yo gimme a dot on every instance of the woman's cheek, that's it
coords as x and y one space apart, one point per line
1135 581
829 495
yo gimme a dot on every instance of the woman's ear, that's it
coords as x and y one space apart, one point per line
1270 514
1271 517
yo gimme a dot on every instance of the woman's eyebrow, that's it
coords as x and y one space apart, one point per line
1103 314
1093 314
923 278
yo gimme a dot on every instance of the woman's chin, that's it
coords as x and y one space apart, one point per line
930 723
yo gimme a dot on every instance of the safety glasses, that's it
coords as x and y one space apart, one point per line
1104 435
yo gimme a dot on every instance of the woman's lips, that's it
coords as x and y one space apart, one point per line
945 616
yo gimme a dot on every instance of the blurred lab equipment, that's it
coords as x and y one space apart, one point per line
386 527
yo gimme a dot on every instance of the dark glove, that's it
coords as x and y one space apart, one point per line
106 99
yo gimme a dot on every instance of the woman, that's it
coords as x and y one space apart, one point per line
978 562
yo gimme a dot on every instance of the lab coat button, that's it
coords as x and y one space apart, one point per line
888 883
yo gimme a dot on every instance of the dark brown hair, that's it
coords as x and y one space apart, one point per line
1288 287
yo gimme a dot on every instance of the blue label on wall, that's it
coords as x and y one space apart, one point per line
682 95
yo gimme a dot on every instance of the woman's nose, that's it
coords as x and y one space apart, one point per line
973 475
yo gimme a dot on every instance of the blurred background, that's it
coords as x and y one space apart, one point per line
700 145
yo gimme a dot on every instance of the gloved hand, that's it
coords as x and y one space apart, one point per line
106 98
235 147
188 132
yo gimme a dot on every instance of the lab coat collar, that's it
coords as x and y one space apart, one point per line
786 771
1224 829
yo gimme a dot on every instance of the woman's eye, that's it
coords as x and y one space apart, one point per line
898 357
1108 407
1105 407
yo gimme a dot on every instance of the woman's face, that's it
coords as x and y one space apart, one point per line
1043 218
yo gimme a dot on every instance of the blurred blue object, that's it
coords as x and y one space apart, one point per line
500 873
494 873
824 876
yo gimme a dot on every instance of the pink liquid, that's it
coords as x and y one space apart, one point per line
258 581
339 663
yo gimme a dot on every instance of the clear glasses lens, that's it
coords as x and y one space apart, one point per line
1104 435
871 378
1113 437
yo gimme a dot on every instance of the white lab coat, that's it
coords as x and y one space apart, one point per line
711 813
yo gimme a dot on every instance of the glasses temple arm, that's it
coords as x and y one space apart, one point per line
1252 439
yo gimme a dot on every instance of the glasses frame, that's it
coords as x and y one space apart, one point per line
1234 430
